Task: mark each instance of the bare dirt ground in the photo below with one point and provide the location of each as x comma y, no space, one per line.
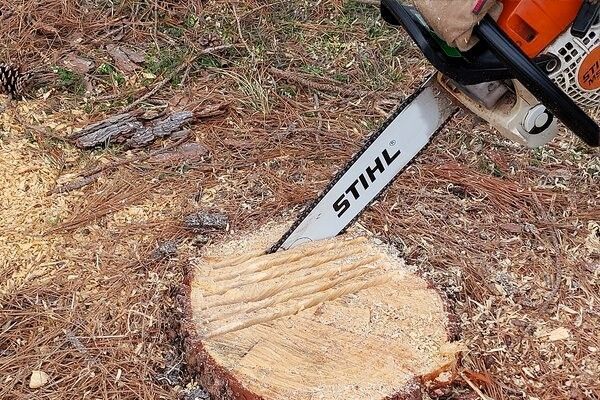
90,277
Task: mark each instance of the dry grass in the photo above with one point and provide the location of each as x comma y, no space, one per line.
510,234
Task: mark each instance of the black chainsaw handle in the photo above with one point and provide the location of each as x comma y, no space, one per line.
537,82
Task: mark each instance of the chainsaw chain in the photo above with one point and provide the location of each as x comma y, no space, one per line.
355,157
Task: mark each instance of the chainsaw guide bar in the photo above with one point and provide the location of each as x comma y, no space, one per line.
384,155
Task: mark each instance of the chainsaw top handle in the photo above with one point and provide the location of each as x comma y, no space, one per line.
496,58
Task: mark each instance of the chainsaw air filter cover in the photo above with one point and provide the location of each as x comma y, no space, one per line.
577,71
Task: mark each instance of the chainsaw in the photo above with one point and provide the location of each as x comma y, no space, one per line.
537,63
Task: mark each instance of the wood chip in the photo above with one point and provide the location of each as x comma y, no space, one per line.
561,333
38,379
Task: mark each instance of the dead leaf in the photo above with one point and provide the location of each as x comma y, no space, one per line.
512,228
179,100
45,29
134,55
78,64
122,60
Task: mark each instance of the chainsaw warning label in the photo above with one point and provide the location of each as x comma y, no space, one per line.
589,71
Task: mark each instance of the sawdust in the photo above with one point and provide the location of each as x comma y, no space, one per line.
57,289
26,211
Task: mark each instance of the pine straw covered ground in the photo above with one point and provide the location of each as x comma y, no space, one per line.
89,279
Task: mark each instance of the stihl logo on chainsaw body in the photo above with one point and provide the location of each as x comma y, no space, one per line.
589,71
364,180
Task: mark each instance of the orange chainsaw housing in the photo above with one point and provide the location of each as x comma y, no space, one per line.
534,24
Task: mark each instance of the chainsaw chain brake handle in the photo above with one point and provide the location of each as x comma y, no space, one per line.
496,58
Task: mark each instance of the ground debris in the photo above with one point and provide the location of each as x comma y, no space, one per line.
77,63
200,240
188,152
125,59
194,393
263,167
165,250
172,373
38,379
169,125
202,220
130,129
100,132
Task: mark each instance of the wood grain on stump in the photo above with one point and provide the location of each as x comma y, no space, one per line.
335,319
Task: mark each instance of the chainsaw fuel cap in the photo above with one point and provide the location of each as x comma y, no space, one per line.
537,120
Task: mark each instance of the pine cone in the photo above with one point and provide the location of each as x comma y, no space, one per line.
13,82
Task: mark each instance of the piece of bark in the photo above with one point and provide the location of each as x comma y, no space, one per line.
202,220
121,58
77,184
78,64
165,249
105,123
130,129
113,129
337,319
160,128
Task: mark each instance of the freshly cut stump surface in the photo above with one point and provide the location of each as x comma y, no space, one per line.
335,319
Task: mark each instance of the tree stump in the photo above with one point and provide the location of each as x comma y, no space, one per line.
336,319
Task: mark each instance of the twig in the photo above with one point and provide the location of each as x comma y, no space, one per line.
210,50
324,87
156,88
474,387
91,176
186,73
369,2
76,184
177,70
239,28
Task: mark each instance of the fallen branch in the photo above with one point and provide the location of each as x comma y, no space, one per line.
134,131
323,87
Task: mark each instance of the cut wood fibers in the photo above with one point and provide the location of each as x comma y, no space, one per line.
335,319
